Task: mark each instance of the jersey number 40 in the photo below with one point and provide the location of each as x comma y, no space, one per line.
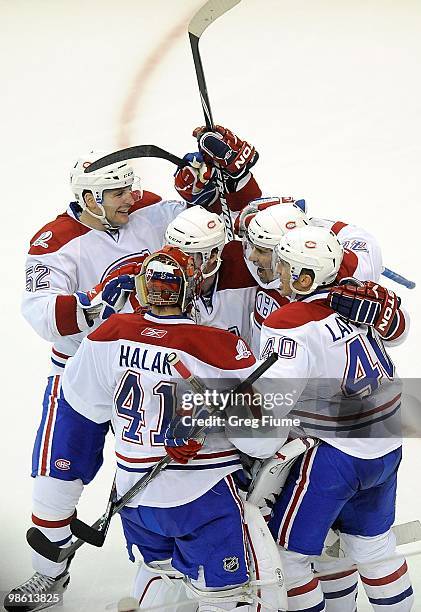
367,363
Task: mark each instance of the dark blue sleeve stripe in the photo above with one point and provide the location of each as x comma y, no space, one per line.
57,363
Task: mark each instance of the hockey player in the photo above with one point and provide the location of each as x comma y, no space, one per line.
228,289
264,221
346,394
79,270
189,521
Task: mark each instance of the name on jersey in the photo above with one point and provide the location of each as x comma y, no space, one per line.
144,359
340,329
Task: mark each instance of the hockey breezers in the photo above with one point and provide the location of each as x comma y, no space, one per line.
95,534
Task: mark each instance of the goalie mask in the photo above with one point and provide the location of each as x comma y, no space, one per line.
201,234
115,176
168,278
310,248
263,233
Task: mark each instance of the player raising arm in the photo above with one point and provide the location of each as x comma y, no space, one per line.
348,395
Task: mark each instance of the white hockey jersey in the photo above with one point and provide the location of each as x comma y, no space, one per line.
362,260
344,384
232,298
356,240
67,256
121,372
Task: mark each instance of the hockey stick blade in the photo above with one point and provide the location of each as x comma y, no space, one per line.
135,152
95,534
87,533
208,13
43,546
398,278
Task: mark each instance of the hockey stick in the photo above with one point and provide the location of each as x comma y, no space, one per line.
96,537
133,153
198,24
42,545
401,280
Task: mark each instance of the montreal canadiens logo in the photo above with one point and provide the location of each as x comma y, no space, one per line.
135,258
62,464
310,244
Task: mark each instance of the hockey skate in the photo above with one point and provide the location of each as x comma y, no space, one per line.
37,593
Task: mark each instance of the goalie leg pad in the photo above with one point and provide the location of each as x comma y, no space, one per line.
387,582
266,564
158,584
273,473
265,591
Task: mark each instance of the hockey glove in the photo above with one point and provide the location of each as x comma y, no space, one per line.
224,148
195,183
367,303
110,296
178,445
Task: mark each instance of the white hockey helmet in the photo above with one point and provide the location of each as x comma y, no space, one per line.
269,225
114,176
265,230
168,278
198,231
313,248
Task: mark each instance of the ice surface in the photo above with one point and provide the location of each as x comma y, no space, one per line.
329,93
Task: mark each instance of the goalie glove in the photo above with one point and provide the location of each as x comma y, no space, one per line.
230,153
195,183
367,303
110,296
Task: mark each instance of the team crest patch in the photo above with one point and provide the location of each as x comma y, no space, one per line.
42,240
231,564
62,464
242,350
154,333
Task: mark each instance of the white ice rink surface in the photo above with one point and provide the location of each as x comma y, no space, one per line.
330,94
